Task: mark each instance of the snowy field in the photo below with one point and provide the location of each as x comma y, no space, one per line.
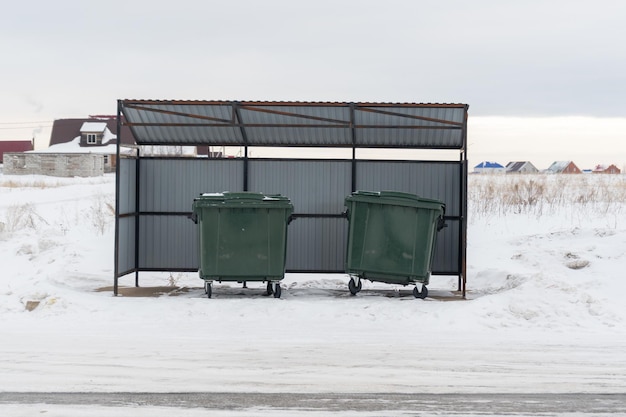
545,310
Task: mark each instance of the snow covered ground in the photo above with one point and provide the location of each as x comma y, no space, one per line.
545,311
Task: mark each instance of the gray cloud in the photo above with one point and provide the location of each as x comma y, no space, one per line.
530,58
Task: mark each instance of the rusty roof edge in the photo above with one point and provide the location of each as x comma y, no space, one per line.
289,103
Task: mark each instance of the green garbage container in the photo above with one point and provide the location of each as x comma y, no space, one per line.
391,238
242,237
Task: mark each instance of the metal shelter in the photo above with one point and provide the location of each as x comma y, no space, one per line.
154,195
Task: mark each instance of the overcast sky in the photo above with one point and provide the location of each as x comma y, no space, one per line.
545,79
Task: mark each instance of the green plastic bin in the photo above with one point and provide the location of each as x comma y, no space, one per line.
242,237
391,238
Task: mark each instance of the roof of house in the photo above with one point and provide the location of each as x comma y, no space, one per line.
65,130
93,127
515,166
15,146
73,146
602,167
488,164
558,166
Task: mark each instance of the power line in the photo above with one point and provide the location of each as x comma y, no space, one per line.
24,127
25,123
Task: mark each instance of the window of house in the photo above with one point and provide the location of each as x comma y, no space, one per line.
91,138
106,159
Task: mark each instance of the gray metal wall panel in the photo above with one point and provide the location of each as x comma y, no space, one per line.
170,185
436,180
128,185
314,187
317,244
126,247
168,242
446,256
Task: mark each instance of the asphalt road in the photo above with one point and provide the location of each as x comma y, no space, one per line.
412,404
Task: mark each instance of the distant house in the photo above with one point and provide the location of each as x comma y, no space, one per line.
14,146
78,147
521,167
66,130
487,167
563,167
95,135
603,169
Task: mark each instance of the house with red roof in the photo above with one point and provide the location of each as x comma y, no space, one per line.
606,169
78,147
14,146
563,167
93,135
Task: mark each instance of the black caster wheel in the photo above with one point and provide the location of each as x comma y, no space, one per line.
277,291
354,289
270,290
420,294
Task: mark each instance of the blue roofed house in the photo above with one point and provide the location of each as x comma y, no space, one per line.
487,167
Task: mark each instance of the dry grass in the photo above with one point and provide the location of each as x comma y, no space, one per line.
22,216
101,213
12,183
490,195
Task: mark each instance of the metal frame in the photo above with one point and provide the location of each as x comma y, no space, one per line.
303,123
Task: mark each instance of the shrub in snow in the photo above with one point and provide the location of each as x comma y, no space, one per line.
22,216
101,213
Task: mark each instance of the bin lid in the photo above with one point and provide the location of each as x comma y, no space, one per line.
395,198
239,198
233,195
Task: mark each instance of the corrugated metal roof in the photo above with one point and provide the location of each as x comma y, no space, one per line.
315,124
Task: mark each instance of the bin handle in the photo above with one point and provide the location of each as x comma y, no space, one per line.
441,223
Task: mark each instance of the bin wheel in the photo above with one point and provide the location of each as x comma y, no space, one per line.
208,289
270,290
354,289
277,291
420,294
